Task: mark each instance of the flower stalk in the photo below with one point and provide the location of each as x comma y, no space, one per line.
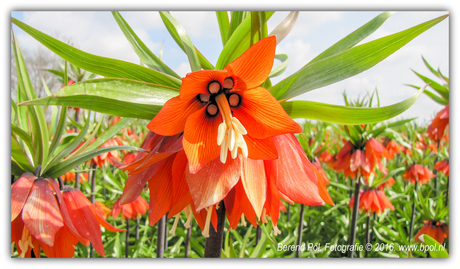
213,247
412,217
161,237
354,217
299,236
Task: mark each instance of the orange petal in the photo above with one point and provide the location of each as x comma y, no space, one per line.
160,186
272,202
232,209
200,139
180,192
355,160
172,117
213,182
262,115
244,203
84,219
197,82
41,213
322,180
254,183
255,64
294,178
19,193
261,149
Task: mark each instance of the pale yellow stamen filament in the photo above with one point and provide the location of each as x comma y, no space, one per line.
276,231
243,221
25,242
176,221
230,132
189,214
264,217
205,232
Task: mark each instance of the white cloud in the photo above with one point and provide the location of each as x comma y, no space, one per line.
183,69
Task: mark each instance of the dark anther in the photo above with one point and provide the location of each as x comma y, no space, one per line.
214,87
204,98
212,110
234,100
229,83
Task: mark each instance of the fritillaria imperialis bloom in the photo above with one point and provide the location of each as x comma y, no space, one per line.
70,177
133,210
362,161
434,229
44,217
443,167
102,209
419,173
372,200
439,127
393,148
225,138
86,218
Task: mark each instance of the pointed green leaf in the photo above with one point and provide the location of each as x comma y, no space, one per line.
435,86
23,135
345,114
16,170
118,97
224,24
59,130
283,29
178,34
71,163
108,134
433,96
436,250
147,57
355,37
19,156
173,25
347,63
100,65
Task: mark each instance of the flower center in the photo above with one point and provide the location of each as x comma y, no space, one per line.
231,131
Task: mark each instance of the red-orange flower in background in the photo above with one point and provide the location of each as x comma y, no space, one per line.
102,209
361,161
372,200
393,148
439,127
434,229
133,210
443,167
107,157
419,173
225,129
70,177
86,218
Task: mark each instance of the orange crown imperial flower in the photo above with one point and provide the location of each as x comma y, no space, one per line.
372,200
224,138
434,229
418,173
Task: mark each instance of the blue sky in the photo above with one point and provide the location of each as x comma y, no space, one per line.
98,33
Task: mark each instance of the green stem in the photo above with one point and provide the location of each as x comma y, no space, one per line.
354,218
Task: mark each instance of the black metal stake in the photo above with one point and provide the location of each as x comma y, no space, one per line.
368,234
354,218
258,235
299,231
137,229
412,217
161,237
187,241
127,239
213,246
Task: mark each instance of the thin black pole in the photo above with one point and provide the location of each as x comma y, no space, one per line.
412,217
299,231
166,231
161,237
368,234
137,229
92,199
187,241
354,218
213,246
258,235
127,239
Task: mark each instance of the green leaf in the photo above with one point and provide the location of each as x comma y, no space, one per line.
23,135
283,29
238,42
108,134
36,114
355,37
100,65
224,24
346,63
187,44
16,170
347,115
118,97
256,27
377,131
280,68
71,163
436,250
19,156
59,130
147,57
236,19
68,148
435,86
178,36
433,96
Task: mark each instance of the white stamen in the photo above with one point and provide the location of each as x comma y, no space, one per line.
231,139
205,232
238,126
221,132
176,220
